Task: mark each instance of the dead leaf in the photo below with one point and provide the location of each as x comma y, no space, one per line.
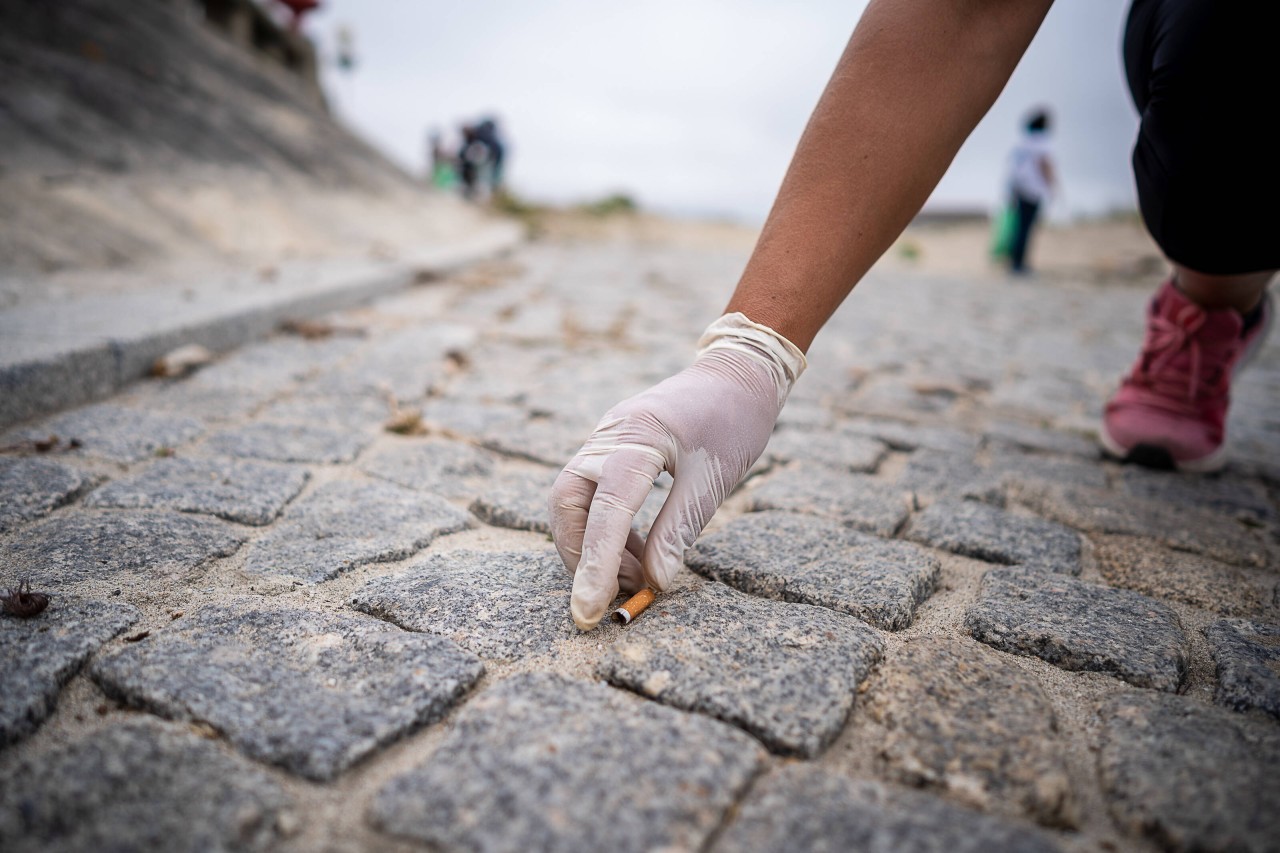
406,422
315,330
181,361
456,361
310,329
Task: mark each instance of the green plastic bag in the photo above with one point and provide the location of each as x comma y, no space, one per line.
1002,227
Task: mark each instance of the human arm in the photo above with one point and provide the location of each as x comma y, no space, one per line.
913,82
915,79
1049,175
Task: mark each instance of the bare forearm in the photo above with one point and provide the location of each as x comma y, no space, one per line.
915,79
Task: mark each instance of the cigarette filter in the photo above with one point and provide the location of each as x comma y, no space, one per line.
633,606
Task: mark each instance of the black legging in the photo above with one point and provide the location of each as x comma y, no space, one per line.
1206,79
1025,212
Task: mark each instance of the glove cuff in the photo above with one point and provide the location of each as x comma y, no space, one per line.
760,343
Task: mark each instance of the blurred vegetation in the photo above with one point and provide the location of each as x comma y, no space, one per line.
531,215
505,201
535,216
610,205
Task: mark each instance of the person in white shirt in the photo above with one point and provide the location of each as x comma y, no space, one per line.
1031,184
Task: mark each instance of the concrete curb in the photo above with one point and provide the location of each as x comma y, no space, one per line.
54,356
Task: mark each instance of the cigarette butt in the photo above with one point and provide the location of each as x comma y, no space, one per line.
633,606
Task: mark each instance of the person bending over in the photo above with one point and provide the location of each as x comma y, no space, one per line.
914,80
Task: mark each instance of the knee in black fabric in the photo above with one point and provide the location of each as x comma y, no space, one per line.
1204,78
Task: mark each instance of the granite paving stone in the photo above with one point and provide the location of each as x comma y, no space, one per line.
518,502
500,605
140,785
1181,527
1141,565
1224,493
961,719
855,500
802,807
545,440
786,673
901,397
1188,775
811,560
249,492
538,435
974,529
342,525
151,545
1046,395
116,433
1248,659
1010,434
802,416
472,418
834,448
445,467
559,761
310,692
349,411
901,436
34,487
407,363
1013,469
283,442
1080,626
931,475
38,655
216,404
274,365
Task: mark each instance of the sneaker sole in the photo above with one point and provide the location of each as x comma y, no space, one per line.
1159,458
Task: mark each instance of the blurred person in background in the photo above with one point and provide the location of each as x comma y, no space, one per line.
1032,182
915,79
481,159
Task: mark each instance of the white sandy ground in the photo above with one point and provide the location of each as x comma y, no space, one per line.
177,231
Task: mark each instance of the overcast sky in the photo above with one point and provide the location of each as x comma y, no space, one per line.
695,106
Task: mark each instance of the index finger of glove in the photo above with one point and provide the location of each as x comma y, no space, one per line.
626,479
570,500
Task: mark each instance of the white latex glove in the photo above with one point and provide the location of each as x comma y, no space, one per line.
706,425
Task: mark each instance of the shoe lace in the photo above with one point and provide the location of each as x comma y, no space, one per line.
1176,366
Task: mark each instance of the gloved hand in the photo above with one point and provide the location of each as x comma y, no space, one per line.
706,425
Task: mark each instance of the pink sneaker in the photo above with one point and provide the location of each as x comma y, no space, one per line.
1171,410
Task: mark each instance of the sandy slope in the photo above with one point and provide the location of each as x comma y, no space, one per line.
137,143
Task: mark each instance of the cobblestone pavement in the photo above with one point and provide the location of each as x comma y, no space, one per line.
932,619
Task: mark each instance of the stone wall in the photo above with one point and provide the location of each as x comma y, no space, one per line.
250,26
